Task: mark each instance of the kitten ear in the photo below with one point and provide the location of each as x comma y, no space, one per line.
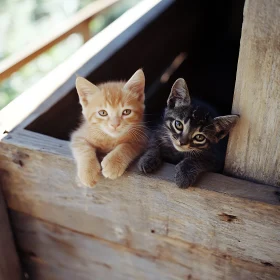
179,94
85,90
224,124
136,84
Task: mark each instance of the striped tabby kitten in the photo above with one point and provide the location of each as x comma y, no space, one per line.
189,137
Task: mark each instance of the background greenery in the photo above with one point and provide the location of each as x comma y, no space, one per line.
23,22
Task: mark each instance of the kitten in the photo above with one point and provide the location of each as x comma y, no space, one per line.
188,137
112,125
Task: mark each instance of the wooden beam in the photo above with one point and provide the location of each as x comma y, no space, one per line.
9,263
77,23
210,181
223,223
51,251
253,149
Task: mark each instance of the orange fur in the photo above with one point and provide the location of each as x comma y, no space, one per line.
121,137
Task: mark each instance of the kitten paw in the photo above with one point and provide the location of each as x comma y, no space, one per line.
111,168
183,176
181,181
148,163
89,176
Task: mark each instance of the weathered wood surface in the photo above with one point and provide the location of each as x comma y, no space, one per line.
77,23
253,149
50,251
9,263
236,238
210,181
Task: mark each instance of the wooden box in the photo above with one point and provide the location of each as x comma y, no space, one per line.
144,227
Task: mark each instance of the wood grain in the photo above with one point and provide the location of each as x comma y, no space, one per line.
254,149
210,181
39,180
50,251
9,263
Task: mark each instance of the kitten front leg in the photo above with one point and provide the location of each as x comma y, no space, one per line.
186,173
150,161
88,165
116,162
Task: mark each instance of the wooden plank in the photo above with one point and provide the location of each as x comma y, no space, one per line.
210,181
254,149
50,251
74,24
89,57
9,263
39,180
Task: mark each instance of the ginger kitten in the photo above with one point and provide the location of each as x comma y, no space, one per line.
112,125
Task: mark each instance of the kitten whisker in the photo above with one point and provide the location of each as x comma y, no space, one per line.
138,133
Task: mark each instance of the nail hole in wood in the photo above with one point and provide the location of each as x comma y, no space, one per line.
267,263
227,218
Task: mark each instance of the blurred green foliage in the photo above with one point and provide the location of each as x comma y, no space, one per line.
23,22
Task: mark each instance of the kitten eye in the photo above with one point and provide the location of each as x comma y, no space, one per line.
179,125
103,113
199,137
126,112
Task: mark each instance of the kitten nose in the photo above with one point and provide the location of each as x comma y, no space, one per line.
114,122
114,125
182,142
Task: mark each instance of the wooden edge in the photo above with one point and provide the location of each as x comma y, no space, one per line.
209,181
9,263
18,60
40,97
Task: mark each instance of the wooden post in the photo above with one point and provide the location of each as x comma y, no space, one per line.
9,264
254,145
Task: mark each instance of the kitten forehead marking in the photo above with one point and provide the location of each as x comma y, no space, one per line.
186,130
